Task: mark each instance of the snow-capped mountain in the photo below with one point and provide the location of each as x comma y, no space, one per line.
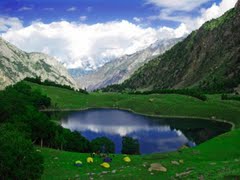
120,69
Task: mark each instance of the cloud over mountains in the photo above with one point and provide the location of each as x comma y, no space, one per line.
78,44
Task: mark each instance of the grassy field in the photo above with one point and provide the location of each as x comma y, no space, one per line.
218,158
162,105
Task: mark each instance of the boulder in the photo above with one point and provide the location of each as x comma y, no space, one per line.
157,167
175,162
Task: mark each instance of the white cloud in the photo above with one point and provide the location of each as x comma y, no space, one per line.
136,19
191,23
215,11
7,23
25,8
72,9
177,5
83,18
90,46
82,45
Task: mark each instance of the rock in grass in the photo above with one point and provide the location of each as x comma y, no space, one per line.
190,168
183,174
151,100
114,171
145,164
157,167
175,162
212,163
182,148
181,161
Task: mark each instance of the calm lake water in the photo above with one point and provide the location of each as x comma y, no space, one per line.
154,134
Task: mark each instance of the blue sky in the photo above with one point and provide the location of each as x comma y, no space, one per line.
96,11
89,33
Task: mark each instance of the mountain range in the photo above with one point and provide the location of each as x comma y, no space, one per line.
118,70
15,65
209,59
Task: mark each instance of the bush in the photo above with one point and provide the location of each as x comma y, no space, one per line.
230,97
130,146
18,159
75,142
103,145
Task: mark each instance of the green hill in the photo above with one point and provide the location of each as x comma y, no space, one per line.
208,58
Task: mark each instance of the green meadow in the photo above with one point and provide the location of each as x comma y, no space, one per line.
218,158
165,105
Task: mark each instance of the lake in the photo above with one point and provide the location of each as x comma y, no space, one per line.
154,134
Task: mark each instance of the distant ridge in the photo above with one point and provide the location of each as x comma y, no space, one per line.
15,65
118,70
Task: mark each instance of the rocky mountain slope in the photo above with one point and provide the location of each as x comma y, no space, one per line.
119,70
208,58
16,64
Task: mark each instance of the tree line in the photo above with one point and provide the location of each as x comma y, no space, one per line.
196,93
46,82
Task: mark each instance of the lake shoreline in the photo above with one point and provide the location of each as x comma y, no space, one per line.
150,115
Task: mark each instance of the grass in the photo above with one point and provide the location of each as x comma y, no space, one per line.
218,158
211,160
162,105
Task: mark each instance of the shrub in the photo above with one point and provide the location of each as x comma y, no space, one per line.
230,97
130,146
18,159
103,145
75,142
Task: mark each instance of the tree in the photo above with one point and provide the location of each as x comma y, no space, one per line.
18,158
130,146
103,145
75,142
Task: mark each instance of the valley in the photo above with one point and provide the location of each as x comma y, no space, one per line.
120,97
201,161
121,69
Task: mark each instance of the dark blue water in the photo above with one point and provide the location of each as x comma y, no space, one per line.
154,134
